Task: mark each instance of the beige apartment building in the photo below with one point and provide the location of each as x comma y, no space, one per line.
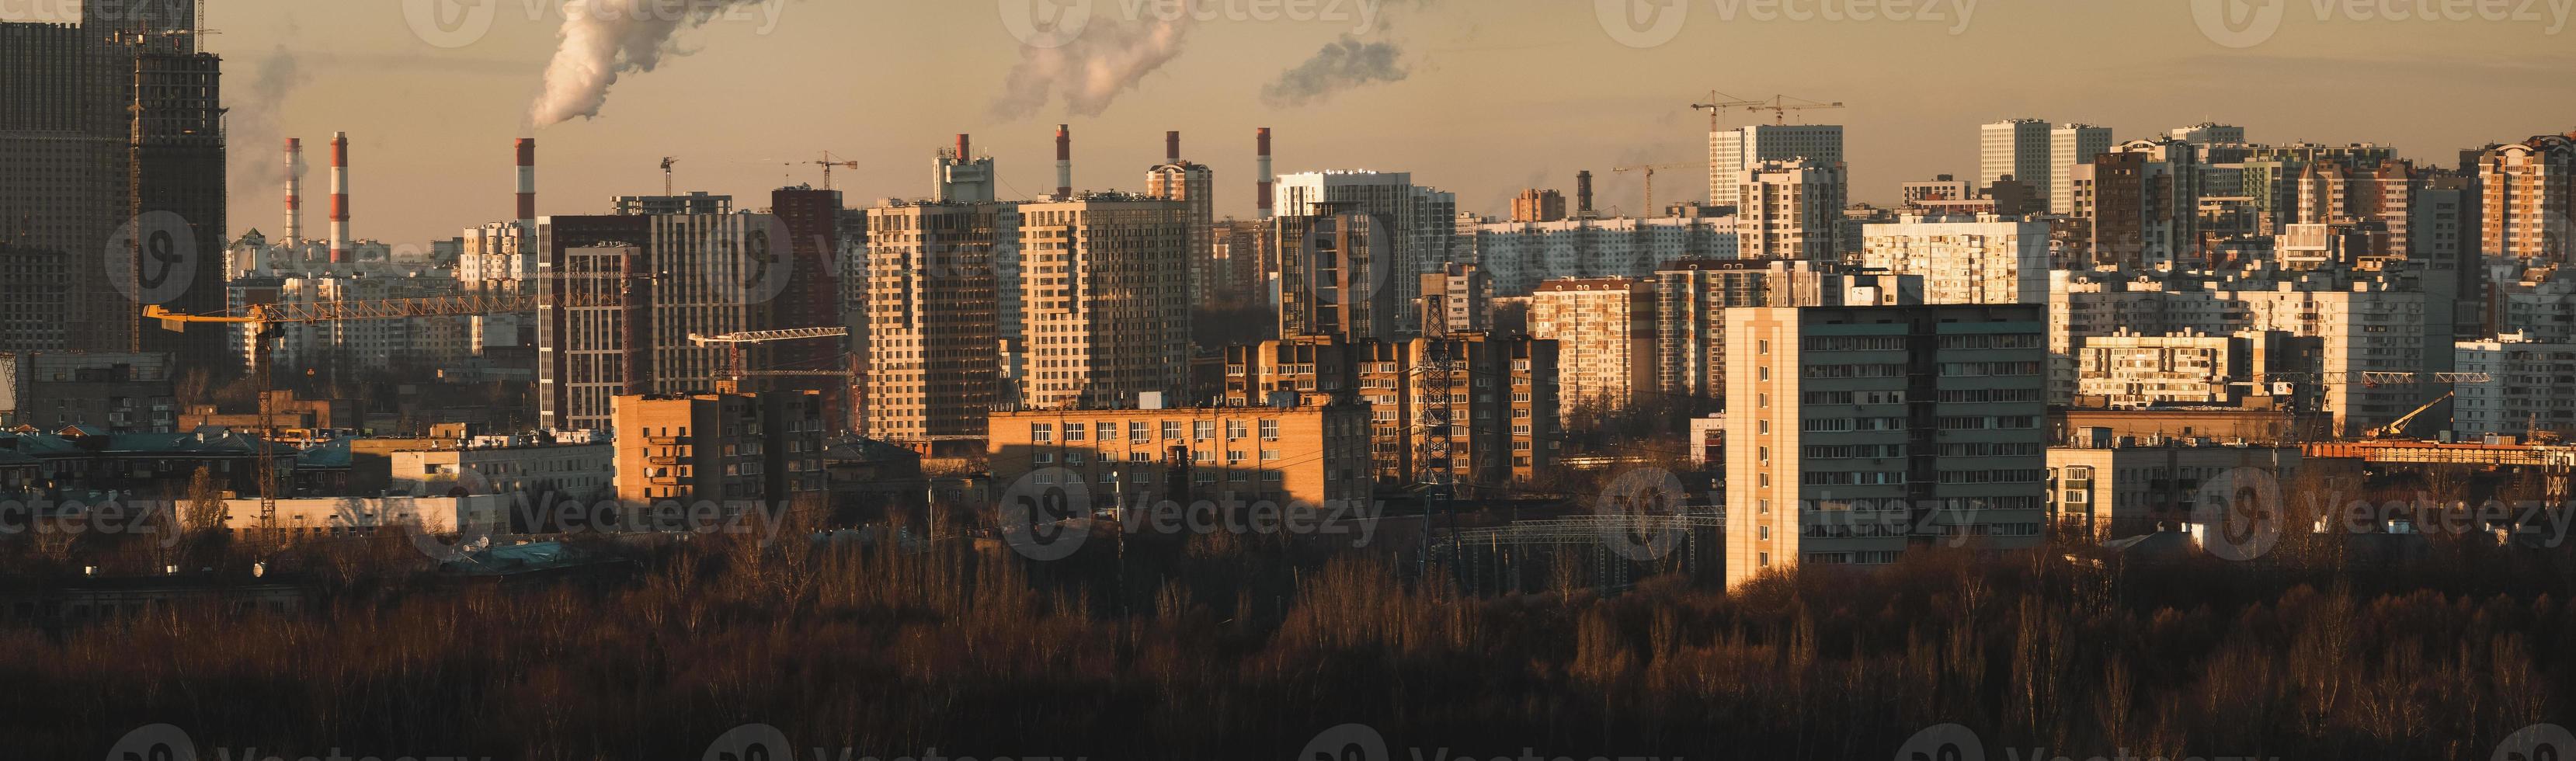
1604,329
729,449
2530,203
1104,280
1485,404
2107,488
1791,210
1312,455
933,318
1854,434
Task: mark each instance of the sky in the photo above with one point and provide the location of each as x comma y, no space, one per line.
1479,97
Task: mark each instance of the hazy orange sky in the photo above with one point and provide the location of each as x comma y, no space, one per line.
1497,95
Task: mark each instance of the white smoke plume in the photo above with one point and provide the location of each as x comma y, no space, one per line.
255,110
1092,70
606,39
1342,65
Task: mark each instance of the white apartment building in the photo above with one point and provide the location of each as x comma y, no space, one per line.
506,467
1980,260
2534,390
1605,334
2107,489
1732,152
1853,432
2070,145
1791,210
2019,148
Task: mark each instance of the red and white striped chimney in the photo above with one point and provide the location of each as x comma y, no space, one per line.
1064,162
340,253
1172,147
1264,201
528,185
294,190
964,144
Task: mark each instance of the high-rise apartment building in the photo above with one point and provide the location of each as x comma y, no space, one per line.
1732,153
2534,392
740,452
2530,201
1194,185
1245,261
1791,210
933,319
2018,148
1424,221
1536,205
1519,256
2070,146
1693,299
2142,200
1105,282
1976,260
1859,433
1457,299
619,296
1337,274
2208,133
1486,404
1604,330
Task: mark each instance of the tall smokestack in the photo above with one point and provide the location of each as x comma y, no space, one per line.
1583,194
527,185
340,198
1064,161
964,145
1172,147
294,189
1264,200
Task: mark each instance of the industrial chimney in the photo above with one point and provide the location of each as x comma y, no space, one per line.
294,190
340,198
1064,162
528,186
1583,194
964,144
1265,179
1172,147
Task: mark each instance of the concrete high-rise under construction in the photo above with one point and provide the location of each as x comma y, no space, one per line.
1194,185
119,124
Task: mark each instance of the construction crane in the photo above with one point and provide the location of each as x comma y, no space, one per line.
265,320
2398,427
1650,170
828,164
1778,105
667,187
736,369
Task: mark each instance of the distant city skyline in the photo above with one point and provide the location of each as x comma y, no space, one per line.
1482,99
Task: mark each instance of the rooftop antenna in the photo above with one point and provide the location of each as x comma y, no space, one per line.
666,174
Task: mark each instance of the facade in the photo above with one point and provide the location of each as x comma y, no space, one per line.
103,392
619,296
2019,149
2126,370
2106,488
1733,153
933,326
1457,299
1980,260
505,466
733,450
1309,456
1105,282
1424,219
1485,403
1791,210
2070,146
1519,256
1693,298
1860,432
2530,200
2534,393
1337,273
1195,186
2142,199
1535,205
1604,330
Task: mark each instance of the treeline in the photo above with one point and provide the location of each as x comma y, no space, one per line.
1223,647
